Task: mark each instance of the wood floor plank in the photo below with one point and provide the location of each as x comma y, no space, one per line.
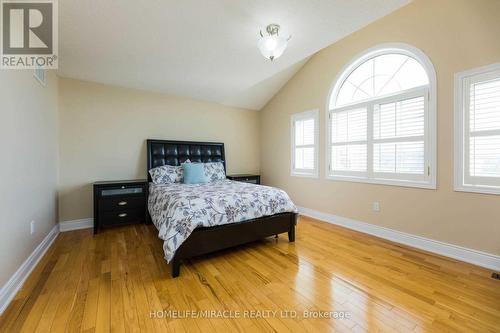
118,281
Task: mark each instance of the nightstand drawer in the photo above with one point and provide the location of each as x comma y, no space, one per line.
121,217
252,179
113,192
120,203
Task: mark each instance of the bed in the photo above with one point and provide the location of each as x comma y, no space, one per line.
197,219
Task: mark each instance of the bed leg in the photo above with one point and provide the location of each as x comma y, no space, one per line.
291,234
176,267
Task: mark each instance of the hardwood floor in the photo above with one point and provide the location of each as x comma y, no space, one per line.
119,281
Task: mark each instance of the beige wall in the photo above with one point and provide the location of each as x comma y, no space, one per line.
456,35
104,128
28,168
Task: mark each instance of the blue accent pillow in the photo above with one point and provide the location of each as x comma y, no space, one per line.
194,173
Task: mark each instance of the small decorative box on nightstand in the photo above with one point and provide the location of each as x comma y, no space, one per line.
247,178
119,203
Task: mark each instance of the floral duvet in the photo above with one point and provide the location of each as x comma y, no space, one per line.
177,209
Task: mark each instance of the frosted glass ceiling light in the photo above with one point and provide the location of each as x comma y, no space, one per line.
273,45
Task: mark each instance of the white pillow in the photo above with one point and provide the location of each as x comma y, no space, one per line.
214,171
166,174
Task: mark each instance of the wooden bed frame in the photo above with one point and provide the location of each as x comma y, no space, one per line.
206,240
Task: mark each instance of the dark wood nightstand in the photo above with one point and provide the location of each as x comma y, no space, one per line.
119,203
247,178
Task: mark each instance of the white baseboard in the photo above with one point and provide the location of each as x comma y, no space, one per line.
76,224
15,283
475,257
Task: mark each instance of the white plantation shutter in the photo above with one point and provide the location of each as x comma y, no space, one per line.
304,144
381,126
479,135
349,140
484,129
304,141
395,150
398,137
304,132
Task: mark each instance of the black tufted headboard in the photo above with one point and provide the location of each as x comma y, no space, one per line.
167,152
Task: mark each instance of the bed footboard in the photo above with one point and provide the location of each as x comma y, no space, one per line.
206,240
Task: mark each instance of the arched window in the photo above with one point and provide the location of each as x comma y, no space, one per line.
382,119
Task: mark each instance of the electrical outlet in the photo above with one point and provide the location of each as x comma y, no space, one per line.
32,227
376,206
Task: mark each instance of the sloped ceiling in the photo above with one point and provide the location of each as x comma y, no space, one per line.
202,49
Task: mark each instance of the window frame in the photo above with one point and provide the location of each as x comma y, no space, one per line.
430,125
463,81
309,114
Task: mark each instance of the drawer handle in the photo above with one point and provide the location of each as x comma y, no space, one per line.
122,203
122,214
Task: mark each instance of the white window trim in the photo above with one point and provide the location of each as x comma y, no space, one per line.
460,85
299,116
431,125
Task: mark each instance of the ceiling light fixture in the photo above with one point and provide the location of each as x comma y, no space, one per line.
273,45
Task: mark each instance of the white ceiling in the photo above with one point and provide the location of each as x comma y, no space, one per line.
203,49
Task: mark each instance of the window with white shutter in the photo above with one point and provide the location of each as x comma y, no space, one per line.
349,140
382,119
304,130
477,132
